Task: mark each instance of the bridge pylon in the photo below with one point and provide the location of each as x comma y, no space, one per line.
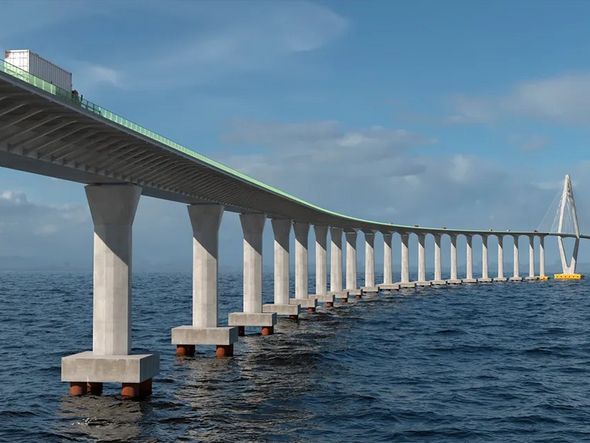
567,206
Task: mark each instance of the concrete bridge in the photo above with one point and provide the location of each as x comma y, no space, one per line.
47,130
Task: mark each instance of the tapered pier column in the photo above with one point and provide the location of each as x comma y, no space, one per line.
531,275
336,265
469,260
301,268
500,276
421,259
113,210
281,306
321,265
252,315
516,269
351,263
542,257
405,258
437,262
205,221
485,277
454,280
370,286
387,260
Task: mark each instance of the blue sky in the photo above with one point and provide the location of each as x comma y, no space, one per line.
457,113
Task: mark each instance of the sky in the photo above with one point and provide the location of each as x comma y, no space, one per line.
459,113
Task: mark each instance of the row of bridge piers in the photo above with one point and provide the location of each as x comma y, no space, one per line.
113,207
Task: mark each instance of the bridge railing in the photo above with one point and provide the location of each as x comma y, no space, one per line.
89,106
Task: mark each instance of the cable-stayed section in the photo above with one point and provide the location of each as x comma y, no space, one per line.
568,224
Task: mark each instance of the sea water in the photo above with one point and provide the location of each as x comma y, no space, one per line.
506,362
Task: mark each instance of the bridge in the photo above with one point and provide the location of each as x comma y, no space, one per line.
47,130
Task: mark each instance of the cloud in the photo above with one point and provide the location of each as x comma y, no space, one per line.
89,78
563,99
39,235
17,210
381,174
530,143
249,36
326,145
262,30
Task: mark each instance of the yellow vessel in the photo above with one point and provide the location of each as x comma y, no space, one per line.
543,277
568,276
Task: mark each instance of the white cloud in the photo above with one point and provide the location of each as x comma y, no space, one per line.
380,174
89,77
17,211
248,37
529,143
327,146
560,99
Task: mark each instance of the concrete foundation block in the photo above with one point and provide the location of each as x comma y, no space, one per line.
469,280
325,298
534,278
423,283
89,367
500,279
454,281
340,295
262,319
438,282
281,309
370,289
388,287
408,285
305,303
484,280
355,292
190,335
516,279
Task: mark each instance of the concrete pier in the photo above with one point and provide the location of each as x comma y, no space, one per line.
438,280
469,260
500,274
485,277
370,286
516,268
282,306
542,256
405,258
437,258
351,261
531,275
321,265
387,259
336,265
252,315
111,361
421,259
205,330
302,297
453,280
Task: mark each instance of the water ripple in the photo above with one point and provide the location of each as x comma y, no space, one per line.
487,363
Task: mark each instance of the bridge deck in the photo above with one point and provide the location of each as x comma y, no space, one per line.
46,131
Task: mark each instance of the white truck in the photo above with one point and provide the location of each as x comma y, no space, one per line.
32,63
